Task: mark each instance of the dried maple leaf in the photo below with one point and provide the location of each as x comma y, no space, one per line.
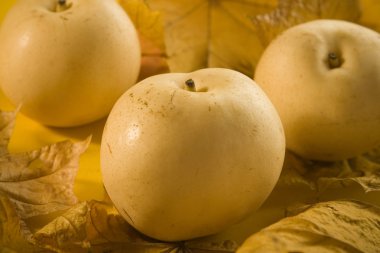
210,33
7,121
88,225
149,26
293,12
335,226
33,184
41,181
233,34
14,234
97,226
364,170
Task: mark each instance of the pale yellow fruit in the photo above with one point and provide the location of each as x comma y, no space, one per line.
181,162
67,64
324,79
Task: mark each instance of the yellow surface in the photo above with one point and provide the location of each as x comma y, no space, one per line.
29,135
4,6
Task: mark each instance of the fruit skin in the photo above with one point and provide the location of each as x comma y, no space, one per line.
69,67
181,164
327,113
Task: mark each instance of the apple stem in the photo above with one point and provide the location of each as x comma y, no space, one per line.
334,61
190,85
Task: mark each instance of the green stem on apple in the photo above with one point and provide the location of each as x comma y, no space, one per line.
190,85
334,61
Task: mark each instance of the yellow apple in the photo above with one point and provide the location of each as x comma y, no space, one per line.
67,62
324,79
185,155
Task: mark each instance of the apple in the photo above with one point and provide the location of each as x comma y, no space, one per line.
67,62
185,155
323,77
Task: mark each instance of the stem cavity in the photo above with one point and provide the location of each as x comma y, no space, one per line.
190,85
62,5
334,61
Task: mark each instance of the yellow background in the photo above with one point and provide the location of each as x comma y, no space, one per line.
29,135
